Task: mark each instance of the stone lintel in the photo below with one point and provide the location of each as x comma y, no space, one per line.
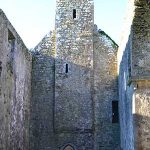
140,82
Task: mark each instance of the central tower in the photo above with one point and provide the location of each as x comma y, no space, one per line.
73,112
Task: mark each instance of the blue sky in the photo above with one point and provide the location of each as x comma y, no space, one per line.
34,18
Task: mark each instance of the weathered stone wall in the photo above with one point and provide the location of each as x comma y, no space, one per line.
140,67
73,72
142,116
78,111
104,77
140,73
42,104
126,99
74,47
105,91
74,81
126,88
15,88
134,77
47,46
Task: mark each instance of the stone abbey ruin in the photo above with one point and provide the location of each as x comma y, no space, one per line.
77,90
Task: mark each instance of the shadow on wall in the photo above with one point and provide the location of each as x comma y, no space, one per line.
71,119
126,91
134,127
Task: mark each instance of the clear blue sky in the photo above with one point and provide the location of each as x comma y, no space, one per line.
34,18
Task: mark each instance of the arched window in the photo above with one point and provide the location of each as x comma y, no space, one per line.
68,147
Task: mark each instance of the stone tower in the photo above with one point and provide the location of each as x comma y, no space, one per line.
73,65
73,69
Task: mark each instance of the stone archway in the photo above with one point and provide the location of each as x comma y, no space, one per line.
68,147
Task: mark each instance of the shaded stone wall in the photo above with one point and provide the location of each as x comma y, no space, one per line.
42,104
74,81
71,69
126,99
134,78
126,88
105,134
15,88
105,91
79,112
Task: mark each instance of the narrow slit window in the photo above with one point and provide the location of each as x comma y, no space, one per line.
115,112
66,68
74,13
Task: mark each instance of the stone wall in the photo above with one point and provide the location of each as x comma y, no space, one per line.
47,46
126,101
140,67
73,73
142,116
73,85
104,134
126,88
140,72
15,88
42,104
74,48
105,90
134,77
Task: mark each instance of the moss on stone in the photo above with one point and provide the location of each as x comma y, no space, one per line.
114,44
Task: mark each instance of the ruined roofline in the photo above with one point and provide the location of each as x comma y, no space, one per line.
48,35
104,33
12,29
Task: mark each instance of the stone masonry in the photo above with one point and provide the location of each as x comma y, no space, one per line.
74,47
134,78
77,90
15,88
78,113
